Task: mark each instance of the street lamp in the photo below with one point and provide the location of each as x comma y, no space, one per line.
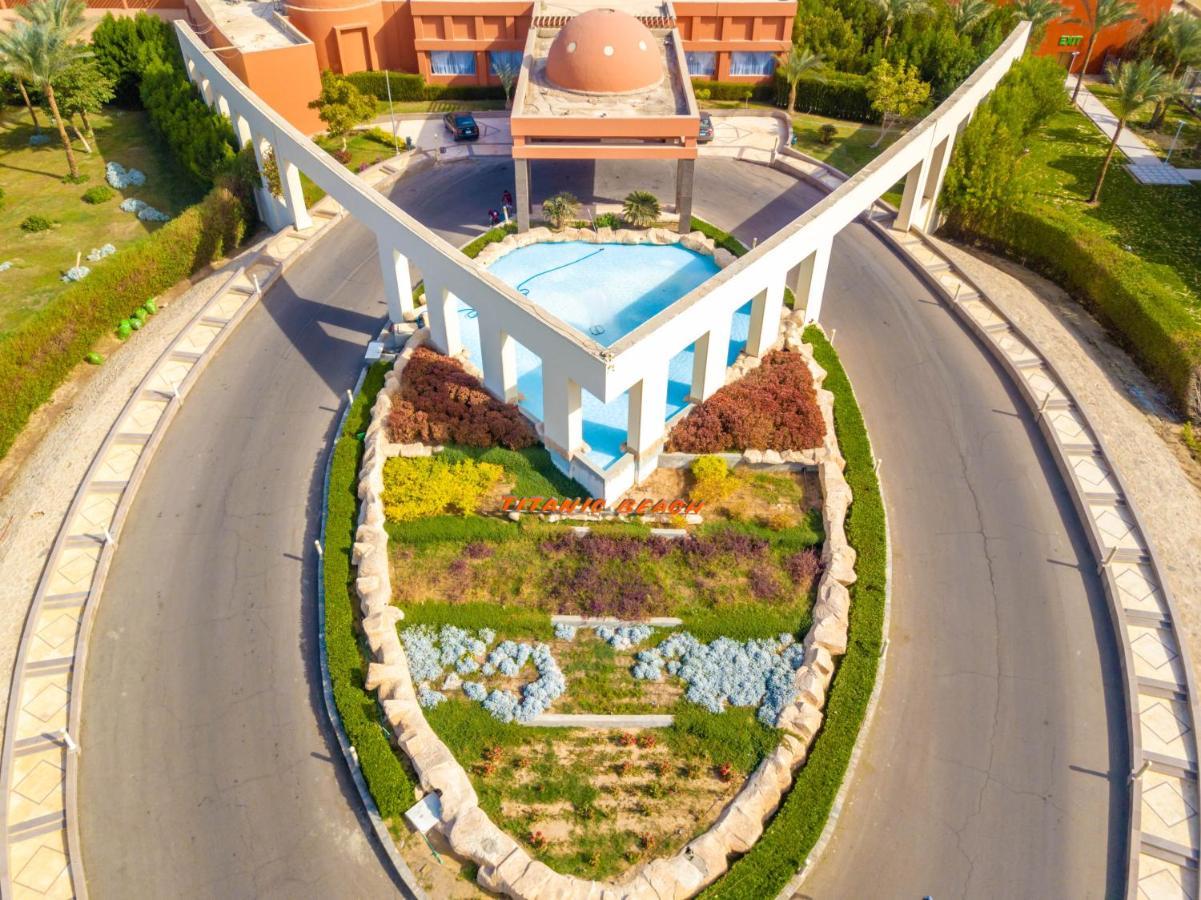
1172,149
391,114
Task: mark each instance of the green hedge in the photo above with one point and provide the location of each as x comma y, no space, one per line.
799,822
1146,315
840,95
736,90
407,86
36,356
386,776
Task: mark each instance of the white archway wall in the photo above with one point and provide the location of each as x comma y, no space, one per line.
797,256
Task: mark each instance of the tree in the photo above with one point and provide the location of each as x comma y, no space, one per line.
123,49
896,10
896,93
966,13
1040,14
508,74
792,66
560,208
1098,16
640,209
341,106
1180,42
83,89
1136,83
40,53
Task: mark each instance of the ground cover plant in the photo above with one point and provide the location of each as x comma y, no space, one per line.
440,403
773,407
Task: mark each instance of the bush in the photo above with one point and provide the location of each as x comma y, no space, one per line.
429,486
734,90
101,193
405,86
773,407
712,479
35,223
379,136
610,220
1145,314
798,823
440,403
826,133
385,774
36,356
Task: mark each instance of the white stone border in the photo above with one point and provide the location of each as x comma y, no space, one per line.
695,241
505,866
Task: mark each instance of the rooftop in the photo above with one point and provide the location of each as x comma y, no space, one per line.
250,25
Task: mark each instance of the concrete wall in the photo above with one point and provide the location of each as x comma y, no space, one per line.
1063,39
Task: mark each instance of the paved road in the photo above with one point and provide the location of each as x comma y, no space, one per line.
991,768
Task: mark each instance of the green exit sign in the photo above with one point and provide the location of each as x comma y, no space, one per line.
1069,40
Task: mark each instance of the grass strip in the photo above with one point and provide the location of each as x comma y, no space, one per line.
799,822
387,777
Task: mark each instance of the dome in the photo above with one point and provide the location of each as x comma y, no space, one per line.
603,51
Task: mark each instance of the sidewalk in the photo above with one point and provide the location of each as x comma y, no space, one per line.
1145,165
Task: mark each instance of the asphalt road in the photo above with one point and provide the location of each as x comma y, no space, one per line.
996,765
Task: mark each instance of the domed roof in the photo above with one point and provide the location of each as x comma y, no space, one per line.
604,51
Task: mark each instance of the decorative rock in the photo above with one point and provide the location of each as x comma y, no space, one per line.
473,835
378,674
723,257
452,682
753,456
772,457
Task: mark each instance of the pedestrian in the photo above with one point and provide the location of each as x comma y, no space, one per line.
493,217
506,199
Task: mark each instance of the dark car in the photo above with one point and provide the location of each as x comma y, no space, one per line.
706,133
461,126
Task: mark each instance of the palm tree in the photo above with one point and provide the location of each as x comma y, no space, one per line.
1136,83
1100,15
640,209
966,13
64,16
796,63
894,11
1040,14
560,208
40,53
5,53
1180,40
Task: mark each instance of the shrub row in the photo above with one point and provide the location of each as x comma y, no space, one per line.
1146,315
799,822
440,403
416,487
37,355
387,777
410,87
840,95
772,407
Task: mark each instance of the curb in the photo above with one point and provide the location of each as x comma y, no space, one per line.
382,835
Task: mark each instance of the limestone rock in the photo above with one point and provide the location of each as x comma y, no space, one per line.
772,457
473,835
723,257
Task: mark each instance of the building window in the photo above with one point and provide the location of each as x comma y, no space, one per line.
510,59
745,63
452,62
701,64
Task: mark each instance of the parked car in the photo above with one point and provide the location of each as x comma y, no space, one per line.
706,132
461,126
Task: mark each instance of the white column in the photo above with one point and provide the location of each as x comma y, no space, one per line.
911,199
766,310
684,175
443,320
498,351
398,284
562,412
648,410
809,281
223,106
934,179
206,91
289,182
242,130
709,360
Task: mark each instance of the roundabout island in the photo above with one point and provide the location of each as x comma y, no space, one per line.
581,584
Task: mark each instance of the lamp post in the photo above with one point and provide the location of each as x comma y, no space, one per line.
1175,137
391,114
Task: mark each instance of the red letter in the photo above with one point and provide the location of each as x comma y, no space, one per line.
644,506
550,506
506,502
625,507
676,507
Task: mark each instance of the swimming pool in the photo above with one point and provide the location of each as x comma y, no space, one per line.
605,291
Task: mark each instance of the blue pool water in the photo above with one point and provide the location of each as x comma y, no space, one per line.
605,291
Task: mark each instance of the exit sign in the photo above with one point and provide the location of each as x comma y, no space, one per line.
1069,40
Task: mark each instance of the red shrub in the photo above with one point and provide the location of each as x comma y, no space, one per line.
773,407
440,403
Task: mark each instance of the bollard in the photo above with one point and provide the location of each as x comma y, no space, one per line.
320,550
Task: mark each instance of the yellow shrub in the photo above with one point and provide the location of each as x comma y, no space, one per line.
429,486
712,481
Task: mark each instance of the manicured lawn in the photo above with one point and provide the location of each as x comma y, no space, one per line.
436,106
1160,224
32,182
1188,147
364,151
850,150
